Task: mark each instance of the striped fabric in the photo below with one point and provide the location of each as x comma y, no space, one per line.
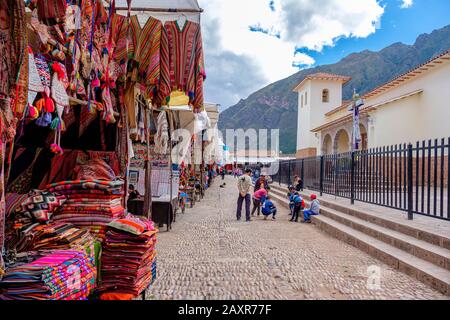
186,65
148,53
135,33
119,28
51,9
164,81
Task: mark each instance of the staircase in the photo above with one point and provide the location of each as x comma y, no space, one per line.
419,253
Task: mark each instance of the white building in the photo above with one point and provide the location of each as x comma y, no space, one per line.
413,107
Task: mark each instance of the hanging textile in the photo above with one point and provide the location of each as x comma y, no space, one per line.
162,135
13,85
51,9
148,55
186,64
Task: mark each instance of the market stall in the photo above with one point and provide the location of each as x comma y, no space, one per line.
84,87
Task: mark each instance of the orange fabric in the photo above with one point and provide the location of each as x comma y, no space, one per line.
116,297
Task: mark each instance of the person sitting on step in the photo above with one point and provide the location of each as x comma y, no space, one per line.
268,208
314,209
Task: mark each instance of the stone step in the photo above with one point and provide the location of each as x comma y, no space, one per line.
278,193
376,218
423,253
281,201
421,249
424,271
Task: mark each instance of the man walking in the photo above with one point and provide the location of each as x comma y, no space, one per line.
244,185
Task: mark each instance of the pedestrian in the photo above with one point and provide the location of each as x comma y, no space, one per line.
133,193
222,172
244,184
210,177
298,183
268,208
261,183
298,206
314,210
291,196
258,199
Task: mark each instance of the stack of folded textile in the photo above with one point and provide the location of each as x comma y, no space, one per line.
129,255
90,204
57,275
53,236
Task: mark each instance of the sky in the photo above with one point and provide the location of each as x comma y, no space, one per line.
251,43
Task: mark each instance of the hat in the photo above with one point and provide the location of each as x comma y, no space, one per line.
313,197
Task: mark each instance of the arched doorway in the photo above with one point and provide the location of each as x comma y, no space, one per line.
342,142
327,145
364,139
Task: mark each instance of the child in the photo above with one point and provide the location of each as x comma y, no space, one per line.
313,211
268,208
291,196
299,204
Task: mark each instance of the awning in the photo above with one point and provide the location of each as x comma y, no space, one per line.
190,5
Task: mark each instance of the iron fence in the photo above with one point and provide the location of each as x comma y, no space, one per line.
412,178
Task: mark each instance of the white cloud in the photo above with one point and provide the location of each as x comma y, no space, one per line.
310,24
406,4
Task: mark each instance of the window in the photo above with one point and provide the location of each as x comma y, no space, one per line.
301,102
306,98
325,96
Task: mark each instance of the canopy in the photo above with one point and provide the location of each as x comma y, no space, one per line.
180,5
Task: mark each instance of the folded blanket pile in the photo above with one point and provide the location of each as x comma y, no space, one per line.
90,204
129,256
59,275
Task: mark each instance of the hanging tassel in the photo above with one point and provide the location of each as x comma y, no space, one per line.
96,83
56,67
54,148
40,105
49,105
55,124
45,120
33,112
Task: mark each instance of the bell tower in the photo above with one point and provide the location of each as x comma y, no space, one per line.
318,94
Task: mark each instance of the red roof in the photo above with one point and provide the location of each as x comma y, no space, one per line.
324,76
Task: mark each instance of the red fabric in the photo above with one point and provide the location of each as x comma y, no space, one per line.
51,9
97,169
116,297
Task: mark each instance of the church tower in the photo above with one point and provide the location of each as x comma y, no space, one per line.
318,94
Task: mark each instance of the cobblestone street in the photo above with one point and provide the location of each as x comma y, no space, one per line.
209,255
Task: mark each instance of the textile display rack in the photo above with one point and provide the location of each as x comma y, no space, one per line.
80,84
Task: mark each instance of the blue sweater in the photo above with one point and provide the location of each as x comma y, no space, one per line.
267,207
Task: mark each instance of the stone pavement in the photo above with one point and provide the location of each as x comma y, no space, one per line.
209,255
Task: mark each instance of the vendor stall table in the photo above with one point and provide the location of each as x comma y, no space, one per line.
164,210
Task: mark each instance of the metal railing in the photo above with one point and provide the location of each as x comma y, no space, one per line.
411,178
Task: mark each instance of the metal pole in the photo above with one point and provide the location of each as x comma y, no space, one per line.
352,190
148,171
202,169
289,172
321,175
410,182
303,173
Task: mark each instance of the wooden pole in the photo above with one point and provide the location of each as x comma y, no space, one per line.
148,171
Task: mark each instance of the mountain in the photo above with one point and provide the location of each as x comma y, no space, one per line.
276,104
